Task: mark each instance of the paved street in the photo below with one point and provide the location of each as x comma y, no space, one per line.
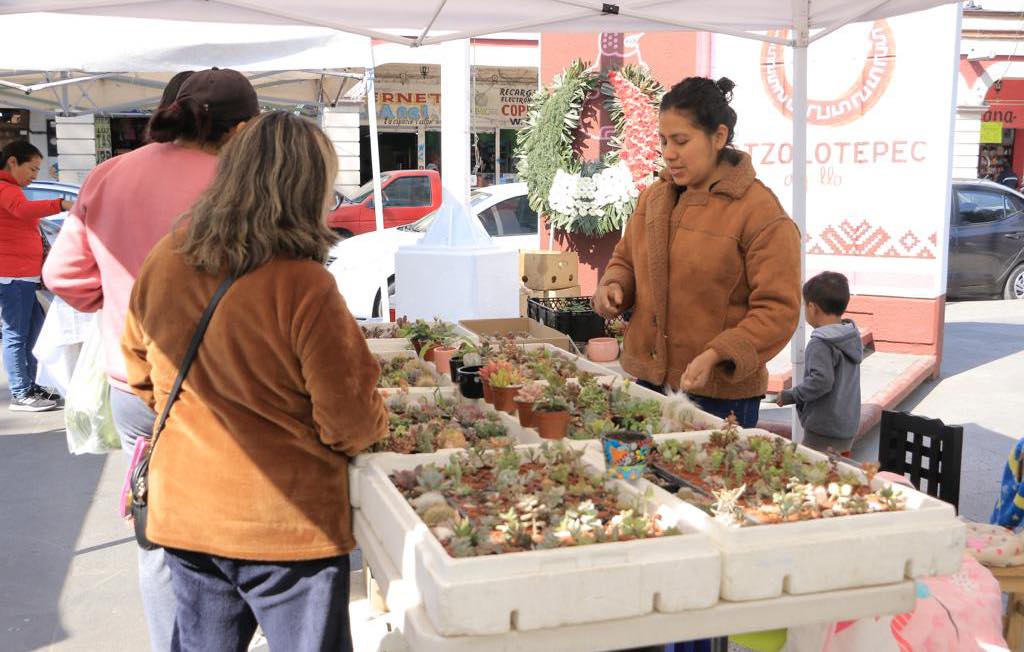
67,572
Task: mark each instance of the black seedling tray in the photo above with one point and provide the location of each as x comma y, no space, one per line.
573,316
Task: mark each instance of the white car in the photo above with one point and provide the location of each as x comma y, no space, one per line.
364,263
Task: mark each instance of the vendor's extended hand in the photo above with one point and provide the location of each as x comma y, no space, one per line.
698,372
608,300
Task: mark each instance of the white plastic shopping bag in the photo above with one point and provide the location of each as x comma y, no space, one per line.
87,414
59,344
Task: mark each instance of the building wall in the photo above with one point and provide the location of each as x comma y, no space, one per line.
76,147
341,123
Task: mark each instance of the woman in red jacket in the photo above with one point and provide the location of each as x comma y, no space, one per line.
21,263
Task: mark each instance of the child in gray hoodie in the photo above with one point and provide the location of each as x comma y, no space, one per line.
828,399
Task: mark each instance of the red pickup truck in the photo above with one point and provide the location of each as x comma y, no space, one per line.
408,195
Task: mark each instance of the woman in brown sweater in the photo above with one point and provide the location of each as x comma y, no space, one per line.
248,482
709,263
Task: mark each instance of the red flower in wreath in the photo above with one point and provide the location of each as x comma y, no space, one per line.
640,148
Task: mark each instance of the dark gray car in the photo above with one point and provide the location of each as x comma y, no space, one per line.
986,241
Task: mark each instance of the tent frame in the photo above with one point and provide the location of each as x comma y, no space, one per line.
800,40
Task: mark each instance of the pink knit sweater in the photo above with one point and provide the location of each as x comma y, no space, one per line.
126,206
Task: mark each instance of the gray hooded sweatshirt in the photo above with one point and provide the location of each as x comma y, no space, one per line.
828,399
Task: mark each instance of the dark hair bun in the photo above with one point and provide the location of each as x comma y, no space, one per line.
725,85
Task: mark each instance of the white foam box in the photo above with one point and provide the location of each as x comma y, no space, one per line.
540,588
442,380
582,363
767,561
530,436
357,464
386,344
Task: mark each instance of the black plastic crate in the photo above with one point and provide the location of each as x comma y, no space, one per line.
570,315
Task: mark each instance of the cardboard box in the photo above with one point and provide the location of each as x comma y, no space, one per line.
550,270
526,330
526,293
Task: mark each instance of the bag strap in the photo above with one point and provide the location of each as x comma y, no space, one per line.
142,469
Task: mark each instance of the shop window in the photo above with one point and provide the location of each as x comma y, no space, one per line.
406,192
981,206
510,217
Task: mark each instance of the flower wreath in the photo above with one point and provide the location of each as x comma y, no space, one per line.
592,198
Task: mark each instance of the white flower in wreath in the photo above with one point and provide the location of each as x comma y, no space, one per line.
563,194
614,186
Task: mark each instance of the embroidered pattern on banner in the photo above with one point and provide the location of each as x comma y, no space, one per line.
866,240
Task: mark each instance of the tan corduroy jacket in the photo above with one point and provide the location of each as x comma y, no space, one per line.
253,463
718,269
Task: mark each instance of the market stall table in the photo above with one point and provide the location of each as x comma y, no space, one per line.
724,618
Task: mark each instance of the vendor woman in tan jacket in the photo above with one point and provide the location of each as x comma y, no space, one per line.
710,263
248,484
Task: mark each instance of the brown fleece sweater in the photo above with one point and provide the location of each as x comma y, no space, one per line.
702,270
253,462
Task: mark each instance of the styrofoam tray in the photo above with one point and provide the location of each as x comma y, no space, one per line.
442,379
530,435
582,363
540,588
361,461
767,561
409,617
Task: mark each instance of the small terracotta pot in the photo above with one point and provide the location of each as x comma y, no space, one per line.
443,358
428,354
488,392
525,413
505,398
551,425
603,349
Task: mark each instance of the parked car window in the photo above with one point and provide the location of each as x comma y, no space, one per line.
512,216
365,190
981,206
1014,205
487,218
406,192
35,194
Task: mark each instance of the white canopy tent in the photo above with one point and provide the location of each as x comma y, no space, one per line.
426,23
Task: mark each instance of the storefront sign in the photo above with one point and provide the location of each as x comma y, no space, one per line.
495,105
877,173
991,133
1010,116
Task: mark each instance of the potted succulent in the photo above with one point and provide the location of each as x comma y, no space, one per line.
485,377
466,353
551,411
527,395
426,336
506,380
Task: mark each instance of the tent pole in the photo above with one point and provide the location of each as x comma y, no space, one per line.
378,199
800,42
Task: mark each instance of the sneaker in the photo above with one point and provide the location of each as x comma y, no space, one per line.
48,394
31,403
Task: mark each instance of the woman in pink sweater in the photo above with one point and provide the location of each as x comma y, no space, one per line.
21,259
126,206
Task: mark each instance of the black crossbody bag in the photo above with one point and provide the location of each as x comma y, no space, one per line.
140,474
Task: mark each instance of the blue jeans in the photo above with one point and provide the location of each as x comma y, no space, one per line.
22,318
134,419
302,606
747,410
